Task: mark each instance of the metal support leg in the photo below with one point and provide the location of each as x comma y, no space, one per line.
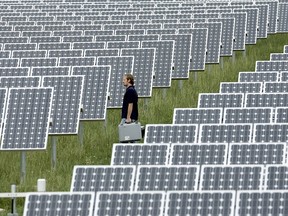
54,151
164,93
23,166
14,209
195,75
180,84
81,133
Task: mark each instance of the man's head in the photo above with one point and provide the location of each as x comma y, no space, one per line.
128,80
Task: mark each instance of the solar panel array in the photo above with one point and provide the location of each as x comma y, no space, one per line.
77,54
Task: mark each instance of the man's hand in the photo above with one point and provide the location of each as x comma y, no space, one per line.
128,120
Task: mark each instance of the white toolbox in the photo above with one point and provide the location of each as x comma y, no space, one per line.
130,132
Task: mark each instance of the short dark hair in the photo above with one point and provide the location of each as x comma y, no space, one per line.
130,78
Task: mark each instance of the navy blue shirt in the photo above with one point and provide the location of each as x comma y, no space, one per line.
130,96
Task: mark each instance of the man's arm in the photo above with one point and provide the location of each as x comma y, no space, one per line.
129,112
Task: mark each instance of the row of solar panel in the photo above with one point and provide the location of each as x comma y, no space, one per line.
199,154
267,202
262,76
178,177
216,133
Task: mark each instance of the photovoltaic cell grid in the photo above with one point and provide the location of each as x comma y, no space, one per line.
182,52
95,91
279,56
272,16
143,69
236,87
266,100
135,154
284,76
19,81
271,66
102,52
120,65
164,51
222,100
3,99
59,203
122,44
12,71
275,87
240,29
171,133
26,121
143,37
285,49
129,203
214,40
103,178
227,36
231,177
50,71
282,23
67,102
167,178
199,47
200,203
251,25
9,62
248,115
198,154
197,116
270,202
276,177
281,115
257,153
258,76
277,132
225,133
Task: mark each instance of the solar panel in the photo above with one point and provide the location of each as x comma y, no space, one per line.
285,49
214,100
277,132
248,115
266,100
214,40
66,105
169,133
103,178
199,47
59,203
281,115
251,24
73,39
19,81
130,203
65,53
9,62
161,31
197,115
258,77
77,61
274,87
123,17
29,54
278,56
198,154
177,25
122,44
148,26
200,203
27,109
87,27
95,92
257,153
143,37
239,30
116,26
106,38
5,40
167,178
54,46
231,177
143,69
276,177
120,65
50,71
5,54
268,202
225,133
282,25
41,39
236,87
94,32
164,51
3,99
89,45
271,66
12,71
101,52
182,52
135,154
38,62
130,31
20,46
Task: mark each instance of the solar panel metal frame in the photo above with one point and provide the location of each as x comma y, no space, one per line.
155,181
226,140
26,205
219,94
258,76
252,153
202,173
159,213
198,155
133,155
170,125
7,113
280,133
256,87
53,109
225,115
199,210
102,177
200,118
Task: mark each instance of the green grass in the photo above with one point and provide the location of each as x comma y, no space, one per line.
99,139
